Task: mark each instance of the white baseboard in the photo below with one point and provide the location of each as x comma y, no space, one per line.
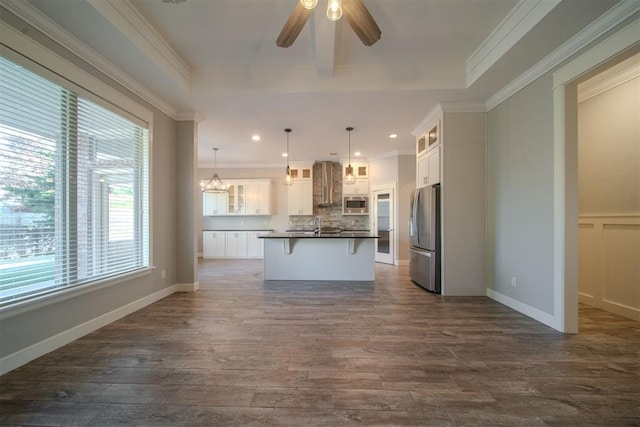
26,355
523,308
187,287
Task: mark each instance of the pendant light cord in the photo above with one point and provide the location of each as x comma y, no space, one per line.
349,129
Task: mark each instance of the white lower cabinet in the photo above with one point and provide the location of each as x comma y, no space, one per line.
213,244
233,244
255,245
236,244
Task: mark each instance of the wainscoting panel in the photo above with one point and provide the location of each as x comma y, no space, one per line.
609,260
588,272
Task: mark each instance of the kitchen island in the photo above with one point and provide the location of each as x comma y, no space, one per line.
346,256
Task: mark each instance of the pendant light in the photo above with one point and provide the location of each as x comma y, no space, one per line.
287,179
334,9
309,4
215,184
349,178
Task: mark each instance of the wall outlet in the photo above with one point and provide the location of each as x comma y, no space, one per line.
514,282
164,273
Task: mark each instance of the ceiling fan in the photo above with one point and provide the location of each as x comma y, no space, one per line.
355,12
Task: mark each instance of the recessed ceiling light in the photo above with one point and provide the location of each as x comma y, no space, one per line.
357,153
393,135
285,154
256,137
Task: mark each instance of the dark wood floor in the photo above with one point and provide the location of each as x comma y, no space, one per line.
242,352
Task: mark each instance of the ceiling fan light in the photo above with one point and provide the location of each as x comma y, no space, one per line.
334,9
309,4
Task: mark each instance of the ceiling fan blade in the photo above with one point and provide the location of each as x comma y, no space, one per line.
361,21
293,26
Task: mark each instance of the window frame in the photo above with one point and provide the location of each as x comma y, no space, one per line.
26,52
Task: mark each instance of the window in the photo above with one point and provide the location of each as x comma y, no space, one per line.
73,188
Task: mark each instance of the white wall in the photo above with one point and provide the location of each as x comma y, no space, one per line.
609,199
609,151
383,170
520,188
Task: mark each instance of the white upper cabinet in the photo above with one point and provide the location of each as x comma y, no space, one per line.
214,204
258,197
428,156
428,168
235,198
243,197
301,197
301,172
361,186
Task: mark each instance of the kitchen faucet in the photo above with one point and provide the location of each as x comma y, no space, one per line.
317,224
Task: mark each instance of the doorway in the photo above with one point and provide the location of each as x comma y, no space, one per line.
383,224
620,45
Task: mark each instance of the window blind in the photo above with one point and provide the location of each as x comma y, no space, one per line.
73,189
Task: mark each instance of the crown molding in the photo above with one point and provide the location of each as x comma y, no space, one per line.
448,107
55,32
394,153
607,81
128,20
186,116
589,34
234,166
427,121
463,107
521,19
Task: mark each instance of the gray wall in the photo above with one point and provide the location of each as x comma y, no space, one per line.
30,327
406,185
520,196
186,174
463,152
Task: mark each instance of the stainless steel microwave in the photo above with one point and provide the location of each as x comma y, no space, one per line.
355,205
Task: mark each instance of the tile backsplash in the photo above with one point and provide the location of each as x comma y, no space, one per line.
331,216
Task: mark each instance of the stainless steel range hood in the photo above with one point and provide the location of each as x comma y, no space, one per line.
326,185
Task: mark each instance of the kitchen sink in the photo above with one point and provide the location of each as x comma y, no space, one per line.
330,230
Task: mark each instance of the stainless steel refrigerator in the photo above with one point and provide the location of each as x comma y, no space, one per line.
424,230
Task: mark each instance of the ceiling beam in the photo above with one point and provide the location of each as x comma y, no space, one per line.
323,34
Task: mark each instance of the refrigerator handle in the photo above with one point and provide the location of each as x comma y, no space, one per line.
419,252
416,200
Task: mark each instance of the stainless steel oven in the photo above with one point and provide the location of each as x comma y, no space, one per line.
355,205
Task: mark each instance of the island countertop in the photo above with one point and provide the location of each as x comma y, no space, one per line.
312,235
